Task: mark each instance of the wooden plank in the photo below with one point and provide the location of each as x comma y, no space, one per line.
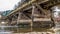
13,22
21,21
42,1
42,19
27,8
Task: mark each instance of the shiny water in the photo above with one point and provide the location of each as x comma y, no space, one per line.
3,31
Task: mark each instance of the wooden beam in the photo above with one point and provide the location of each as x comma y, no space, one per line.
13,22
42,1
19,17
27,8
42,19
26,15
41,8
25,21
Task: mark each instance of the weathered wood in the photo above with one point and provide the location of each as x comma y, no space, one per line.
42,19
19,17
39,2
31,14
41,8
26,21
24,5
13,22
50,3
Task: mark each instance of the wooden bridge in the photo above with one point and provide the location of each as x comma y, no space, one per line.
35,13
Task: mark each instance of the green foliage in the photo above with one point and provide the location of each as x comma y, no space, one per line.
5,13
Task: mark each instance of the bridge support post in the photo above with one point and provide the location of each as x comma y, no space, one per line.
18,18
33,9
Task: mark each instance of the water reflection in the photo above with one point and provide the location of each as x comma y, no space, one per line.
6,28
3,31
12,29
18,29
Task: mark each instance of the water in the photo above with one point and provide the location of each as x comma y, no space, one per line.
3,31
15,29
